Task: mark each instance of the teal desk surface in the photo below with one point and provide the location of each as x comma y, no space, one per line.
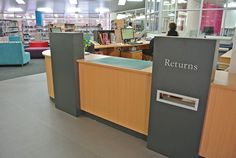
124,62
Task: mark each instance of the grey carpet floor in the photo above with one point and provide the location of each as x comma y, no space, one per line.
35,66
31,127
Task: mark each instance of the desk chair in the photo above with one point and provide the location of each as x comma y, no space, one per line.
148,53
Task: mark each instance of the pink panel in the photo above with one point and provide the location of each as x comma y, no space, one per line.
212,18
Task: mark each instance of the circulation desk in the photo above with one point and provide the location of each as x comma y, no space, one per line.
122,96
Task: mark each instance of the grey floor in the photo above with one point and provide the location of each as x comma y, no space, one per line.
35,66
31,127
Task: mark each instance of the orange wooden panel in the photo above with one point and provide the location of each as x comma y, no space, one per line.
48,67
219,134
120,96
133,55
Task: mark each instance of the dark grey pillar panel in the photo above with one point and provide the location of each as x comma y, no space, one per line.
182,71
66,48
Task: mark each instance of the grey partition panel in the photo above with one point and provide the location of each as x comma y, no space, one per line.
182,73
66,48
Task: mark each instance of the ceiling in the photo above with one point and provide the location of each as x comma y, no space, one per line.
59,6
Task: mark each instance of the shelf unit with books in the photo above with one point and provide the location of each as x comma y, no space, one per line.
104,37
9,28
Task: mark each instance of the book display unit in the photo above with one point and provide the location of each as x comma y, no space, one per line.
9,27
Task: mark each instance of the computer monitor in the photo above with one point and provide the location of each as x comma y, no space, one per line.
208,30
127,33
55,29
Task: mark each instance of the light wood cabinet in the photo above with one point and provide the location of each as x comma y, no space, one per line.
219,133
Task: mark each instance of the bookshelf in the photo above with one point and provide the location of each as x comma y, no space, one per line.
86,28
9,28
69,27
104,36
31,32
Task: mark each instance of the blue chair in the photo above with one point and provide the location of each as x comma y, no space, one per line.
12,53
14,38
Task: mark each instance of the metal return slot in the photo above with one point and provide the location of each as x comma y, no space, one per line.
177,100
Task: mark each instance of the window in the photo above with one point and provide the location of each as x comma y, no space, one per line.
211,4
230,23
188,23
168,5
188,4
195,17
166,18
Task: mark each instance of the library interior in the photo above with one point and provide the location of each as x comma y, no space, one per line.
118,78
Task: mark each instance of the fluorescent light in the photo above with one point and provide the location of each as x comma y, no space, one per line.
46,10
20,1
140,17
121,16
73,1
134,0
171,14
121,2
102,10
73,10
182,1
166,3
15,10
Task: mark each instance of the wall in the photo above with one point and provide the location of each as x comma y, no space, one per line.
192,18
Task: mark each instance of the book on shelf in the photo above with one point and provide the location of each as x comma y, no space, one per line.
104,37
100,38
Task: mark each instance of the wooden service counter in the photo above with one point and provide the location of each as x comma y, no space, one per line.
48,67
117,94
219,132
122,96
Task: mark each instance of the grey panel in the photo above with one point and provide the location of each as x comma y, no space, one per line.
66,48
175,131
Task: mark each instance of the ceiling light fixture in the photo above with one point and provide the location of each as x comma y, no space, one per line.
134,0
15,10
20,1
121,16
73,10
166,3
182,1
46,10
73,1
140,17
121,2
102,10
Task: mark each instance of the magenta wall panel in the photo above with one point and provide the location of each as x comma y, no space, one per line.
211,18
